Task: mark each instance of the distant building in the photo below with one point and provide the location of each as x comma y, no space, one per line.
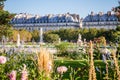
48,22
101,20
55,22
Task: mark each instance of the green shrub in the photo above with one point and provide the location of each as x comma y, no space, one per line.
62,47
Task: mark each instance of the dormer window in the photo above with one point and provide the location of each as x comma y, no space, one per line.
108,19
113,19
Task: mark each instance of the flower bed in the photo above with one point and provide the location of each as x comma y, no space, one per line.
24,65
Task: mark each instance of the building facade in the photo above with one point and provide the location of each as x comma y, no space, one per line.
101,20
55,22
49,22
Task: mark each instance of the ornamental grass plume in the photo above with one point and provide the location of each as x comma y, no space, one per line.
92,74
116,65
44,60
12,75
3,60
24,73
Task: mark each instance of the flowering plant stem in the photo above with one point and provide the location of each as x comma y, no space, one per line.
92,74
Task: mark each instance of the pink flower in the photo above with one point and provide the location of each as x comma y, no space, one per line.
2,60
24,73
61,69
12,75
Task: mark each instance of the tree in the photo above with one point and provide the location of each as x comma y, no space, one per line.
5,17
15,33
62,34
92,33
117,11
51,38
71,35
101,32
2,4
68,34
6,30
115,36
118,28
24,35
35,35
84,33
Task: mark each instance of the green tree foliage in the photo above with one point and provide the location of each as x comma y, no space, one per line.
91,34
101,32
5,17
62,34
112,35
62,48
51,38
117,11
118,28
68,34
24,35
35,35
88,34
84,33
2,4
15,33
6,31
115,36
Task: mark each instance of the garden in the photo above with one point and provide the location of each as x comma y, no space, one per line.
93,55
71,62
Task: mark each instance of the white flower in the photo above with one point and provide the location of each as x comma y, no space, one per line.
105,51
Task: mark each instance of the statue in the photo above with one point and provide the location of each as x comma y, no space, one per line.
79,41
59,41
81,23
3,40
85,43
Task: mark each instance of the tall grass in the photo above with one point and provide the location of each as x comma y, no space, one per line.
45,63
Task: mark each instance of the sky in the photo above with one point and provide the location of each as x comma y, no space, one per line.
43,7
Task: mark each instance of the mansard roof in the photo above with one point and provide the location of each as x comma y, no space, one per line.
100,17
50,18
